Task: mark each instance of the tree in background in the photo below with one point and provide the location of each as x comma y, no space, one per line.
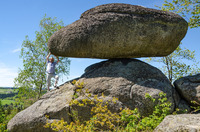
31,79
189,9
177,64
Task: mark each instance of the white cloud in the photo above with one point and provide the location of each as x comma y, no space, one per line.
16,50
7,75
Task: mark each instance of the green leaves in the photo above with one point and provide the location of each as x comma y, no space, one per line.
190,9
137,123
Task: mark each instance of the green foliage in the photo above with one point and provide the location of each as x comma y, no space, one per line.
8,107
6,101
104,120
32,78
7,112
187,8
2,112
138,123
3,127
195,108
175,66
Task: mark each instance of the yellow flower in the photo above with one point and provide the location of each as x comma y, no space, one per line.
103,95
74,81
102,123
89,95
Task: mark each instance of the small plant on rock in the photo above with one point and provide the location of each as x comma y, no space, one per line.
195,108
139,123
104,120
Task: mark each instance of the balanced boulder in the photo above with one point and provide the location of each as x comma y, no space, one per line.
189,88
120,31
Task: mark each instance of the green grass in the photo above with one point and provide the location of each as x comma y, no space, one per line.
5,101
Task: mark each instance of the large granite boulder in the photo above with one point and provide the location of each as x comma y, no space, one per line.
189,88
126,79
129,80
120,31
180,123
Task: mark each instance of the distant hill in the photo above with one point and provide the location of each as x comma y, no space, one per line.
8,92
8,88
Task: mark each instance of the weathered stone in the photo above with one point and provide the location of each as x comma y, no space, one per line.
189,88
32,119
180,123
128,80
183,107
120,31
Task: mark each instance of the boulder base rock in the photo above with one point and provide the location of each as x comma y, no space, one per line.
126,79
120,31
189,88
180,123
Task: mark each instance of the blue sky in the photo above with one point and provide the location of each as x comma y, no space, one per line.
21,17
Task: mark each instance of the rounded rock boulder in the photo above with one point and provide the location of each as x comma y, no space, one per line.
129,80
120,31
189,89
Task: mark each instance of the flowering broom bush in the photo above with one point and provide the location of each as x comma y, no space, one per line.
104,120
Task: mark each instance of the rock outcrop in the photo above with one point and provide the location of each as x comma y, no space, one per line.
189,88
32,119
180,123
117,32
126,79
120,31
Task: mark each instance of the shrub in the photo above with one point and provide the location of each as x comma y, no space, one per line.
3,127
161,110
103,119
